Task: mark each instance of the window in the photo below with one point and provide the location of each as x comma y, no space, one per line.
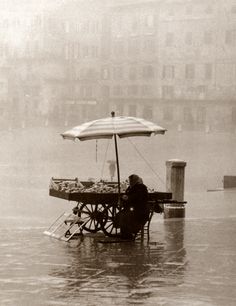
149,46
149,24
94,51
147,112
117,90
119,109
67,27
208,71
105,50
78,27
133,46
90,73
188,117
146,90
118,25
201,115
209,9
84,111
105,91
132,73
201,89
105,73
189,71
118,47
170,11
133,90
134,26
93,26
207,39
233,9
167,92
149,21
169,40
189,38
117,73
168,113
132,110
76,50
85,51
89,91
86,91
230,37
234,115
81,74
85,27
148,72
168,72
189,9
2,50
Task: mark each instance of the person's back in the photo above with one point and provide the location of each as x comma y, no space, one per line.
136,211
138,200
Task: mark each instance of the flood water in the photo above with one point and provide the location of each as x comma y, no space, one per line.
186,262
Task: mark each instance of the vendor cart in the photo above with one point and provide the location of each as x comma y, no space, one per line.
98,203
95,210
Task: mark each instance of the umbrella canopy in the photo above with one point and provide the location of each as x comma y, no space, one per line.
113,127
108,127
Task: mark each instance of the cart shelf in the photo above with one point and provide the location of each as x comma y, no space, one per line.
103,198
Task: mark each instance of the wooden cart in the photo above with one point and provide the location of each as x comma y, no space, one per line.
97,210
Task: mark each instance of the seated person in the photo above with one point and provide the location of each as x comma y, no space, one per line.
135,212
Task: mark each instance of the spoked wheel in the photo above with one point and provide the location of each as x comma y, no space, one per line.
93,215
110,225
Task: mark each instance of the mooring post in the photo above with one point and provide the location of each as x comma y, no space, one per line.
175,169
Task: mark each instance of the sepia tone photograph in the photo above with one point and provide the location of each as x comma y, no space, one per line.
117,152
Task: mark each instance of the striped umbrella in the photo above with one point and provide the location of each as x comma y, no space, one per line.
112,127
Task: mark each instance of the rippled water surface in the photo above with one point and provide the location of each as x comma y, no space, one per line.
187,262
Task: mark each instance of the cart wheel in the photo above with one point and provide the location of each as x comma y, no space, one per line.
109,224
94,215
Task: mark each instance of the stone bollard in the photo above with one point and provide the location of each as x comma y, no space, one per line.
175,183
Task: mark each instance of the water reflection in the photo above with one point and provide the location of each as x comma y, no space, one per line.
132,270
174,238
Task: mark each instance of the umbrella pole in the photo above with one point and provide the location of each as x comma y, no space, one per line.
117,165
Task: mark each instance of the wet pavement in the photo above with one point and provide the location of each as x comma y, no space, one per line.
186,262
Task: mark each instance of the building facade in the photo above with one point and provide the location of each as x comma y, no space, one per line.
170,61
176,62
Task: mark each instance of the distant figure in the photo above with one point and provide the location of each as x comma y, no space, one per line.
135,211
112,168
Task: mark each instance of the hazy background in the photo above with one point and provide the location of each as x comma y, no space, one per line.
66,62
63,63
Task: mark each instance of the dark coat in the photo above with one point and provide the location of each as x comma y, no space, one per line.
138,200
135,212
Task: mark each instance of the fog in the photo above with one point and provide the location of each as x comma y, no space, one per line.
67,62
